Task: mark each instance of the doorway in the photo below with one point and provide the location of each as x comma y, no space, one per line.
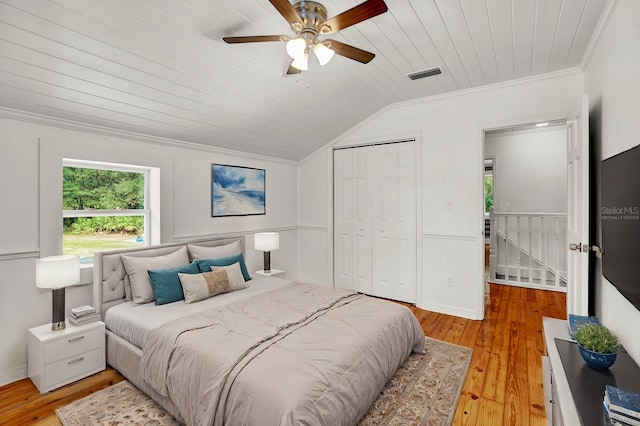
527,217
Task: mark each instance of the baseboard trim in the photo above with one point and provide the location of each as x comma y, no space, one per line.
449,310
10,376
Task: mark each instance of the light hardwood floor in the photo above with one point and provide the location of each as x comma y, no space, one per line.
503,386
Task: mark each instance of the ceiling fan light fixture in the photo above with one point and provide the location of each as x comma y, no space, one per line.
296,47
323,53
301,63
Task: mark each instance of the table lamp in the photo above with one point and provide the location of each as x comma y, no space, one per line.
56,273
266,241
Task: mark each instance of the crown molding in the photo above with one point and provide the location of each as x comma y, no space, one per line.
440,97
46,120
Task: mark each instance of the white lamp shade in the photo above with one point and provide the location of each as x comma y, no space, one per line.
266,241
57,271
323,53
296,47
301,63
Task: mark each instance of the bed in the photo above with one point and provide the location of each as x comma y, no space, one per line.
276,352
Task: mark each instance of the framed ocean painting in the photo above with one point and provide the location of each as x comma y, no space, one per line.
237,191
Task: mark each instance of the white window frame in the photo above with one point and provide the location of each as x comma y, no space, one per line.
491,173
145,212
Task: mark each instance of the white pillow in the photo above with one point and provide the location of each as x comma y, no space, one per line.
202,252
202,286
236,279
137,267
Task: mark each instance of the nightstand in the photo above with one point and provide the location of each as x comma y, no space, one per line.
57,358
273,273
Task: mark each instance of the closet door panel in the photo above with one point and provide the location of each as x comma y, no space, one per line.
405,222
343,262
361,223
383,268
404,265
342,217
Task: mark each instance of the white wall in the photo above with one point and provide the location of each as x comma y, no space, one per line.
313,238
450,131
611,80
31,193
530,170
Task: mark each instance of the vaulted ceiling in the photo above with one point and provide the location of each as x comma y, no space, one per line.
160,67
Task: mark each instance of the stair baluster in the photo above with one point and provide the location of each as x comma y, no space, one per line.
534,260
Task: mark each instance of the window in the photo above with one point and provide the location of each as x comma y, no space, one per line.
488,185
105,206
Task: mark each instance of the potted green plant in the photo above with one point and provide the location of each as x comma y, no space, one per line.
598,346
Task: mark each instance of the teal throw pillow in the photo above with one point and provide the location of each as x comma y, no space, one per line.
166,283
206,264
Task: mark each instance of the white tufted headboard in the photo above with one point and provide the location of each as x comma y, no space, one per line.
109,275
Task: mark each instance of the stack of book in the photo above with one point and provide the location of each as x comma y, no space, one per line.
83,315
621,407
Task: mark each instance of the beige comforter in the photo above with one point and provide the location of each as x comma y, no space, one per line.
299,355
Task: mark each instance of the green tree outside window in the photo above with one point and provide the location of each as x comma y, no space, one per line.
488,193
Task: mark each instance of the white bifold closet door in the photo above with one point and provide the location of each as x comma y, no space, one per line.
375,231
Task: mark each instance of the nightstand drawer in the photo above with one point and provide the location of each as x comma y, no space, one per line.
78,366
68,346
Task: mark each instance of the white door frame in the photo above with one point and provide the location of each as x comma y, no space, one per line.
578,209
483,128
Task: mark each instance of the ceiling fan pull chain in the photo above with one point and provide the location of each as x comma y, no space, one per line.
299,78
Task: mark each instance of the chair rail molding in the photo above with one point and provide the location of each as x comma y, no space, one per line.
26,254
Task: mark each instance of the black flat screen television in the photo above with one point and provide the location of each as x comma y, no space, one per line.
620,215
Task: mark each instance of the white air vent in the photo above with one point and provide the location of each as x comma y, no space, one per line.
424,73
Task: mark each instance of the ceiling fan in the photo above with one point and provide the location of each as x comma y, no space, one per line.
308,20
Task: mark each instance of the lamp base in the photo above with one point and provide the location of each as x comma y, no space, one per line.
57,326
57,322
267,261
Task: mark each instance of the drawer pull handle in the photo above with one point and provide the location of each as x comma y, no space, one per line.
75,339
73,361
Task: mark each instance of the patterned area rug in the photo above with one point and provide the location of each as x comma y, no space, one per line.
424,392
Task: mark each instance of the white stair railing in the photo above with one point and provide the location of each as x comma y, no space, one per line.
528,249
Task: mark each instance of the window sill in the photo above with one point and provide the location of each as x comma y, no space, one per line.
86,274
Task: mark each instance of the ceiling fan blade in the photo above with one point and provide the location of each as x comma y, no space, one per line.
254,39
287,11
349,51
359,13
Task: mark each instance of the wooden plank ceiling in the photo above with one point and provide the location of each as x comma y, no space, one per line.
159,67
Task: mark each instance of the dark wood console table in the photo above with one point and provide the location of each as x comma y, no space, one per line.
576,390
